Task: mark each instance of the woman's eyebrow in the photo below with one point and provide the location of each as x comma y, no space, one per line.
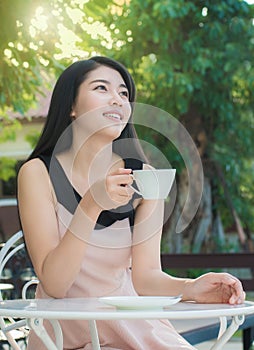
106,82
99,81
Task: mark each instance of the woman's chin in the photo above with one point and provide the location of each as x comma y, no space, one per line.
113,132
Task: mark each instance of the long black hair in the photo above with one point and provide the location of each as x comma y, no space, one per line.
63,98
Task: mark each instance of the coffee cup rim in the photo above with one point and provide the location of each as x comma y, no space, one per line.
148,170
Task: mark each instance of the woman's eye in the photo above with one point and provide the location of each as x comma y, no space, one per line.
101,87
124,93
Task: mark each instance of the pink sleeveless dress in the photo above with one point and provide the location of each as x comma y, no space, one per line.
106,272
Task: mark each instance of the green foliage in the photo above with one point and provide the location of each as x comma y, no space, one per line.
32,138
197,55
189,273
7,168
8,130
185,56
26,53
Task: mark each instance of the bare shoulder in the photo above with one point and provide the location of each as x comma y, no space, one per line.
33,173
34,185
31,168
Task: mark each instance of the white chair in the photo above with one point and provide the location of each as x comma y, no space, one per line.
14,331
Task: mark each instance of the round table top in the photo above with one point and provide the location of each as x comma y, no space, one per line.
94,309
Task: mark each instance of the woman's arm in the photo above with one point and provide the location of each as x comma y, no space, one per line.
149,279
58,262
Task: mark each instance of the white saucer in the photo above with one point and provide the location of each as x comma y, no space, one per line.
140,302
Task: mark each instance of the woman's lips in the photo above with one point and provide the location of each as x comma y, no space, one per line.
113,116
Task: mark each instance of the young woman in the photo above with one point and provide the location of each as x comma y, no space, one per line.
87,232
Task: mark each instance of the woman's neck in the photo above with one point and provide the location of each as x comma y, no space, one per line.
89,163
93,160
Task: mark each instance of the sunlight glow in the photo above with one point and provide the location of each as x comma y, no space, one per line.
75,15
43,61
39,22
117,7
67,44
8,53
15,62
33,46
80,3
96,30
55,13
204,11
20,47
19,24
120,43
32,31
25,64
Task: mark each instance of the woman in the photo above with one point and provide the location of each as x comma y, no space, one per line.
76,208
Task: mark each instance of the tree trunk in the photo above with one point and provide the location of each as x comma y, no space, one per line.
199,230
203,226
205,232
218,234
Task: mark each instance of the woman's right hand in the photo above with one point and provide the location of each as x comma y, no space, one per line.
105,194
113,191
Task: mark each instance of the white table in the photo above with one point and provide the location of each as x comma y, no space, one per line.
91,309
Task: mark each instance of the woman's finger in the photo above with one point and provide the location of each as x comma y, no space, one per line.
236,289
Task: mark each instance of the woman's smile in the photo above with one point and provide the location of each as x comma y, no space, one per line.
113,115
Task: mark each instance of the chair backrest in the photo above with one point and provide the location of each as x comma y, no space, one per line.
8,250
14,259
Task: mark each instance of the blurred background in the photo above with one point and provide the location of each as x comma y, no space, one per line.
192,59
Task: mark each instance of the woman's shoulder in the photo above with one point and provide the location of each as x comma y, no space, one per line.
33,178
32,165
32,169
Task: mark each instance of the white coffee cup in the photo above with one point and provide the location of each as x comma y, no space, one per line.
153,183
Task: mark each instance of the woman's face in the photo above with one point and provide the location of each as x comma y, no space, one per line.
103,102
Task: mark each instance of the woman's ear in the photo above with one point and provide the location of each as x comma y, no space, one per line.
72,115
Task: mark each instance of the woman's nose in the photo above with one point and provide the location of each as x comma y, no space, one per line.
116,99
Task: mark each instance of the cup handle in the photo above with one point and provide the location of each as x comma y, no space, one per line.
139,185
135,190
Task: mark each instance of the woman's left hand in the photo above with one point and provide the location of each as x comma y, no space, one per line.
216,288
